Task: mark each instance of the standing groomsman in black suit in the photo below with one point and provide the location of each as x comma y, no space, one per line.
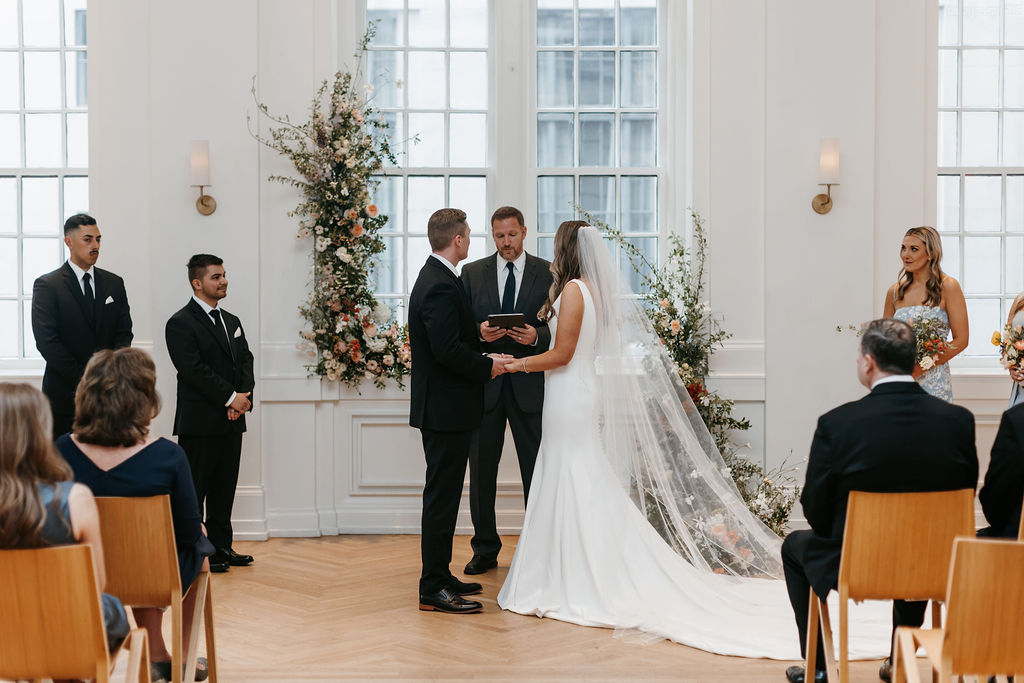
1003,491
215,383
896,439
77,310
508,281
448,376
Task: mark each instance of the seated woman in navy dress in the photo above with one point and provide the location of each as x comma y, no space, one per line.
112,452
40,505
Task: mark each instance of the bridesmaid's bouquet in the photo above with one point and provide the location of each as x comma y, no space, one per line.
1011,345
931,340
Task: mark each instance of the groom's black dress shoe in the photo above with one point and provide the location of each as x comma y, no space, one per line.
229,556
446,601
480,564
463,587
795,674
217,564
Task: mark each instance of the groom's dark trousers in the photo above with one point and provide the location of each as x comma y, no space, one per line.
896,439
448,377
515,400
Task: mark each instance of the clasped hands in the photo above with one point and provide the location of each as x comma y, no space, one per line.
1017,374
525,335
498,362
239,406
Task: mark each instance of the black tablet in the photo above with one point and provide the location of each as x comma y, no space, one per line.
506,320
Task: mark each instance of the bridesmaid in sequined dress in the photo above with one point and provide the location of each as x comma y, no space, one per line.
924,291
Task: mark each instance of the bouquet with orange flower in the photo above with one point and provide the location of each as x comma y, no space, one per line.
931,340
1011,345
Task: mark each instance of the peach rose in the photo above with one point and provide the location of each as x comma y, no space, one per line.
356,355
371,210
357,229
1019,345
351,214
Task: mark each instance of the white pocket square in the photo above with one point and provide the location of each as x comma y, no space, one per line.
109,300
238,332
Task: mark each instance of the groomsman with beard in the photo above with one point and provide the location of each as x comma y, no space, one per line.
448,376
77,310
896,439
508,281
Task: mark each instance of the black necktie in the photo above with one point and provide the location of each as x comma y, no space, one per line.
90,297
508,299
220,328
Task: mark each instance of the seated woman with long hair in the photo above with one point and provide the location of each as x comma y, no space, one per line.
40,505
112,452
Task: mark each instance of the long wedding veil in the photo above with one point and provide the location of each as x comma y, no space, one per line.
656,441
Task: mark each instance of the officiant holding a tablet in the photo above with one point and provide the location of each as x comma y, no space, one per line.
506,290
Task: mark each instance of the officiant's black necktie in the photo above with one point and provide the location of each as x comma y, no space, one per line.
222,330
90,297
508,299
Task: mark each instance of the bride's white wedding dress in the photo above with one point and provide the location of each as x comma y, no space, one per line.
589,553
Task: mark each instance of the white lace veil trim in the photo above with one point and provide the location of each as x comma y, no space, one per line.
656,441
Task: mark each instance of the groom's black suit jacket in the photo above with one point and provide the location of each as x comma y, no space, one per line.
1004,482
481,281
896,439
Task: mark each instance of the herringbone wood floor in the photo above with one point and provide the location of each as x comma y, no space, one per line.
345,608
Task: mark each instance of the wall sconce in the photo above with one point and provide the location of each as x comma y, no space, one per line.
828,172
199,161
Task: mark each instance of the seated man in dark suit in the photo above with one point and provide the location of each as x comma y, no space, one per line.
895,439
1004,482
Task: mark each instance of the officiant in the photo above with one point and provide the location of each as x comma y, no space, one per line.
508,281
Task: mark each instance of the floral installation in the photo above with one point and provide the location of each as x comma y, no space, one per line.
351,336
1011,345
931,340
674,299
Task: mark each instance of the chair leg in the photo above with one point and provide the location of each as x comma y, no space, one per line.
844,636
905,654
811,647
826,642
211,650
937,625
176,637
138,657
191,648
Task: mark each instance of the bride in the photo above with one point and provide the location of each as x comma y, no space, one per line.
633,521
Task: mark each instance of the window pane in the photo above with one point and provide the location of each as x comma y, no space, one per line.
554,140
428,150
1013,138
469,141
74,22
638,22
40,206
951,256
78,140
546,248
469,23
982,203
1014,28
76,196
554,22
10,81
387,265
981,271
389,200
478,248
469,193
597,139
947,78
1015,203
554,79
949,29
8,23
981,78
77,79
427,80
948,211
639,204
389,20
8,205
554,202
426,23
979,145
419,252
42,80
983,319
8,329
597,197
1013,78
40,256
597,22
10,141
648,246
426,194
981,22
8,267
639,79
43,133
947,138
396,137
386,70
639,134
1014,265
469,80
597,79
41,23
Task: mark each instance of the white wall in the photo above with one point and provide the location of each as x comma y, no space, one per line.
768,80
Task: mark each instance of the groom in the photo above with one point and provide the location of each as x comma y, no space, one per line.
448,376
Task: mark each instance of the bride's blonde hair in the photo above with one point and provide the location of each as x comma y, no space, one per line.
566,264
933,250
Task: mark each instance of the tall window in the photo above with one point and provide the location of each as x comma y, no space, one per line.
44,151
980,211
429,65
597,118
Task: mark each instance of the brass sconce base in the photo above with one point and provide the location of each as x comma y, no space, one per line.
205,204
822,203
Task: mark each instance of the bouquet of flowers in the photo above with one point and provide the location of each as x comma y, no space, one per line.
931,340
1011,345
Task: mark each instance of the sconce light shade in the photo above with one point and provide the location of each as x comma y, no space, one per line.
199,167
828,174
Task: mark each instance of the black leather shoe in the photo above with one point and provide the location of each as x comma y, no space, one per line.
795,674
446,601
463,587
885,671
217,565
480,564
231,557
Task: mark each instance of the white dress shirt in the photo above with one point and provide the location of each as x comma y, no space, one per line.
517,268
207,307
446,262
79,273
893,378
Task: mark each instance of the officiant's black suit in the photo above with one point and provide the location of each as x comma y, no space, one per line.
1004,482
447,391
68,330
516,398
896,439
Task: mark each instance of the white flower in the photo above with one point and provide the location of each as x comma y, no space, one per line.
388,360
381,313
369,87
694,474
689,500
328,355
376,344
303,233
333,376
927,363
346,258
322,243
350,162
725,471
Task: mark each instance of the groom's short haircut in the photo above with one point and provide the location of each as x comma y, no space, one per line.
444,225
892,344
503,212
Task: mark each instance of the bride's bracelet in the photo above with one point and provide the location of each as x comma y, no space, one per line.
524,367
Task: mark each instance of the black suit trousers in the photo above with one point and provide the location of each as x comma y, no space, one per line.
903,613
446,454
214,462
485,456
61,423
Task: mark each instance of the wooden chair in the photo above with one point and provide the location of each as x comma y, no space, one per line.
984,632
895,546
52,624
142,570
1020,532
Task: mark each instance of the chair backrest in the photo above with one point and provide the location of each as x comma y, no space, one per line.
897,545
51,624
139,550
985,607
1020,532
